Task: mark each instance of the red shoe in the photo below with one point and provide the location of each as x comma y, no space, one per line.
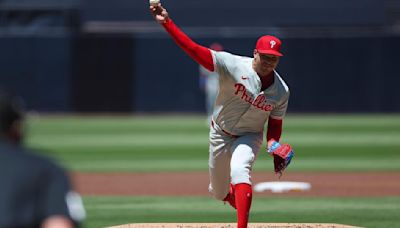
230,197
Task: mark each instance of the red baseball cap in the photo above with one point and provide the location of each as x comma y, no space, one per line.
269,45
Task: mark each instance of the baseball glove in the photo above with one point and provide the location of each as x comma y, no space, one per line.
283,154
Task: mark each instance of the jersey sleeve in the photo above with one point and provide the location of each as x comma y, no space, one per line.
222,62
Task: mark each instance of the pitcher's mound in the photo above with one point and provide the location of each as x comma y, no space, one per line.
233,225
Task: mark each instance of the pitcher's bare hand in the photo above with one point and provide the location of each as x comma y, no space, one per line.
159,13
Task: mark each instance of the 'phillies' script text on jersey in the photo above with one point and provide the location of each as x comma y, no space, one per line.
241,105
259,102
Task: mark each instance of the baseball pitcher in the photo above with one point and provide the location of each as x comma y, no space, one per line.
251,93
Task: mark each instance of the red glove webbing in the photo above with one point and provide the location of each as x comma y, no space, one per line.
198,53
274,129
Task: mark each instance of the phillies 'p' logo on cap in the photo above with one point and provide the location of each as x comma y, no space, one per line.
269,45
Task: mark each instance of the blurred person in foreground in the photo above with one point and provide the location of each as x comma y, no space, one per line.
34,191
208,81
251,93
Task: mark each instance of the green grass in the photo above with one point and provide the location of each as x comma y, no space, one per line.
369,143
364,212
176,143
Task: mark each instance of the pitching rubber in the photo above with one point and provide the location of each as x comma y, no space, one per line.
232,225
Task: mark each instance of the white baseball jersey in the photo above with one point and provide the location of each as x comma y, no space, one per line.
241,107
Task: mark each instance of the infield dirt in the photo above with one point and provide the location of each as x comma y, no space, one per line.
196,183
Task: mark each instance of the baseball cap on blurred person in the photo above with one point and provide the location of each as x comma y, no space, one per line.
216,47
269,45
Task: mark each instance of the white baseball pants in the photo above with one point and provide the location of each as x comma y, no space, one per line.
231,159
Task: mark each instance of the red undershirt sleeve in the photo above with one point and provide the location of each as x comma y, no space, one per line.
200,54
274,129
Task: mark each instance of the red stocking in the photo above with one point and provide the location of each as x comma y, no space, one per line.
243,197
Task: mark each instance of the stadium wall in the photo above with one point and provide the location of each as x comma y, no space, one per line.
128,74
110,56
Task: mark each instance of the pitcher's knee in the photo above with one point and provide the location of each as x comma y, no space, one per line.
240,174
